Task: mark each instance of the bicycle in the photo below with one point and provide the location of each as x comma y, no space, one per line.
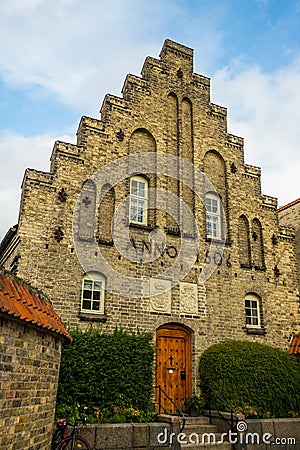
63,441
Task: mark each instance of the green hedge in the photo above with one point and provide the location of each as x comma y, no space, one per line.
106,371
247,373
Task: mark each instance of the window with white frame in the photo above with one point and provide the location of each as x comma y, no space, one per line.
138,200
213,216
92,295
252,310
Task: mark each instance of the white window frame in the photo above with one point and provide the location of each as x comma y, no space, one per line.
252,311
138,201
93,284
213,218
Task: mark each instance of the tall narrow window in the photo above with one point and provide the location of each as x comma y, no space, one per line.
213,216
252,311
92,294
138,200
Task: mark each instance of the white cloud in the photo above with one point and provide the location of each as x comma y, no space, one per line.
17,153
17,6
264,109
75,49
79,50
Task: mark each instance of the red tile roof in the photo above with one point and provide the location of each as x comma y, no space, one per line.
295,345
289,204
19,300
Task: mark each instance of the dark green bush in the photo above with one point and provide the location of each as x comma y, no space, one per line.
106,371
247,373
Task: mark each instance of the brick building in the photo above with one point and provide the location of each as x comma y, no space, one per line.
289,216
178,242
30,343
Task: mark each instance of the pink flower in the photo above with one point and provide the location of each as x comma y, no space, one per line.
255,413
250,411
116,409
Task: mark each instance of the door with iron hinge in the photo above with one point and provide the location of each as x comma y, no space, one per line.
173,366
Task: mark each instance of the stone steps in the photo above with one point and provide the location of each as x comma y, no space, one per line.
198,434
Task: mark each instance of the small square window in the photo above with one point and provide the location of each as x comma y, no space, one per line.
86,304
92,294
88,284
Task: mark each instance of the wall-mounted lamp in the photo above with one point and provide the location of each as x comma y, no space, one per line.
171,369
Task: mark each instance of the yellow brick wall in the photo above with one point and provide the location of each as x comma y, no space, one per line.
168,111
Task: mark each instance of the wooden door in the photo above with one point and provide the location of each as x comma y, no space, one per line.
173,366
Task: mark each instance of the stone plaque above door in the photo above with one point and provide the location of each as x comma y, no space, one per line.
188,298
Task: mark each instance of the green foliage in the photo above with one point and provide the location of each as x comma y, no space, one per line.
105,372
105,415
251,412
195,401
121,415
247,373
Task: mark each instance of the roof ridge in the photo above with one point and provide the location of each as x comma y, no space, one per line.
20,300
19,281
295,344
289,204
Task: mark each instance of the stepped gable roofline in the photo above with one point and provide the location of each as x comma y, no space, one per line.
19,300
8,238
170,46
295,345
282,208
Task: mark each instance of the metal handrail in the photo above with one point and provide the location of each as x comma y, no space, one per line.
232,411
161,390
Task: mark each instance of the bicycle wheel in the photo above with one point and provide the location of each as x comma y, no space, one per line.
79,444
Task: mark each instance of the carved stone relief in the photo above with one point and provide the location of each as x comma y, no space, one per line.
160,296
188,298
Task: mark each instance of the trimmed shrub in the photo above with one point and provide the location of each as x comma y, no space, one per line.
247,373
106,371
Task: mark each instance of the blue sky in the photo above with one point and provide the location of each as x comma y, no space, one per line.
60,57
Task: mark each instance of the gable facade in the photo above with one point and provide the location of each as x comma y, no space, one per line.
154,223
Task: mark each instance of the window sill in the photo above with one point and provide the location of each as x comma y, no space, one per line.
173,231
255,331
90,317
105,242
218,241
140,226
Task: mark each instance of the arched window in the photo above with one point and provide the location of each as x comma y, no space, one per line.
138,200
252,311
92,293
213,216
214,168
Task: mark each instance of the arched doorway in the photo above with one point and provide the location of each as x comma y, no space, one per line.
173,365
